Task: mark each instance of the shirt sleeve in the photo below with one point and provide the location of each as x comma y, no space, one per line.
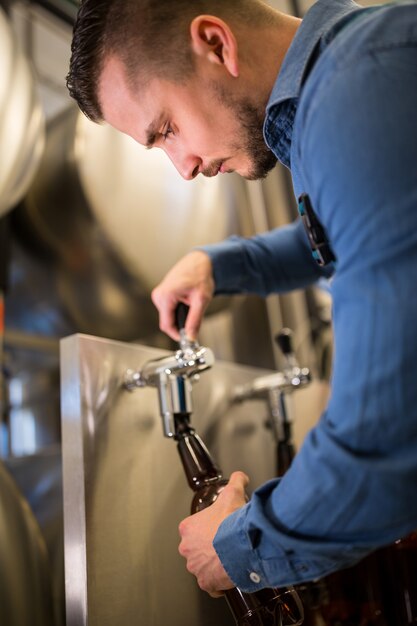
353,484
273,262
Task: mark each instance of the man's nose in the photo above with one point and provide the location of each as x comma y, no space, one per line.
187,165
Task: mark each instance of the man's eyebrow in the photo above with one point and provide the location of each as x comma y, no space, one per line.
153,130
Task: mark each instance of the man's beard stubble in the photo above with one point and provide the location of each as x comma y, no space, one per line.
251,119
260,156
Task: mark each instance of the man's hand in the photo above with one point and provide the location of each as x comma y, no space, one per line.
189,281
197,535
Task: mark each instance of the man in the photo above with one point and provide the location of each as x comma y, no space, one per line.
232,86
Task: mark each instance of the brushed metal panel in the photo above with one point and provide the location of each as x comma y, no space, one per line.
124,488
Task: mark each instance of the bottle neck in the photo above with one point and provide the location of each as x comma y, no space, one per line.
199,466
285,456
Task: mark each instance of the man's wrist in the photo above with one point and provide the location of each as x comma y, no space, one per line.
226,261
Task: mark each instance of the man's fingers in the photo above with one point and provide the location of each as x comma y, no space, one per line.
239,480
194,318
197,533
216,594
168,324
235,490
189,281
166,308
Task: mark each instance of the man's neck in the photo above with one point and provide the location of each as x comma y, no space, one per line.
264,51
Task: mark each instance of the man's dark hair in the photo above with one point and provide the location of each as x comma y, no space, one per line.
151,38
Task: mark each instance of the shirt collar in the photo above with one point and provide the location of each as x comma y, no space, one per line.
318,20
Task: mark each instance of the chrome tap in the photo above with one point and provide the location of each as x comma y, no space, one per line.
276,389
291,378
173,376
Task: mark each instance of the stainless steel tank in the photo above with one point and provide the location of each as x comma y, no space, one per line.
111,219
22,130
39,479
25,578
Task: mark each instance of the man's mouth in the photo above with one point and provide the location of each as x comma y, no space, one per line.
214,168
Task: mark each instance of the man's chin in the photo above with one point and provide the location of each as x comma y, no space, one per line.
255,168
260,172
261,161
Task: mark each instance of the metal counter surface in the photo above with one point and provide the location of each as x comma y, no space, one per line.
124,487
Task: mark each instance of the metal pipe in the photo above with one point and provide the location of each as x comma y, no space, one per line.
65,10
296,8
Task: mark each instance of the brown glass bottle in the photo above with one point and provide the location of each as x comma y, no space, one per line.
268,607
381,590
398,568
351,597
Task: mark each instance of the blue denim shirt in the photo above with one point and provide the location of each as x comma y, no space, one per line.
346,125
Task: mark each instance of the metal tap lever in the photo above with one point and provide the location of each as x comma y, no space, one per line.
291,378
173,376
284,341
181,314
275,389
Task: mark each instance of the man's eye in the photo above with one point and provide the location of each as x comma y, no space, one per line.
166,132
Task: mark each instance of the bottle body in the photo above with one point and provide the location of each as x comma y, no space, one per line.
268,607
398,570
350,597
265,607
380,590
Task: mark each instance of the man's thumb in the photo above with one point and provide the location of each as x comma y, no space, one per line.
236,487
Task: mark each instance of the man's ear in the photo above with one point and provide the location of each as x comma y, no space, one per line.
213,39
